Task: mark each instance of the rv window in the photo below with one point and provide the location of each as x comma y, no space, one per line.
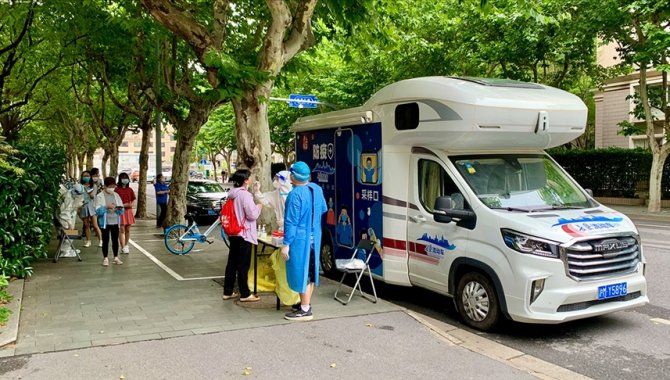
406,116
434,182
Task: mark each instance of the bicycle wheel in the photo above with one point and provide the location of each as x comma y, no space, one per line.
173,241
224,237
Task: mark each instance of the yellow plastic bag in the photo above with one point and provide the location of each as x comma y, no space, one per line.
285,294
266,275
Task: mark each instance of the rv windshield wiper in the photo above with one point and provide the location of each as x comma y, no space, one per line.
512,209
563,207
559,207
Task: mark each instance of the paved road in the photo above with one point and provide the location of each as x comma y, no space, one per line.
631,344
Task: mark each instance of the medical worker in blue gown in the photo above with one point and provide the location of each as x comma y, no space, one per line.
304,208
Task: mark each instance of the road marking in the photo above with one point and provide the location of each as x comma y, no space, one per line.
661,321
156,261
651,225
166,268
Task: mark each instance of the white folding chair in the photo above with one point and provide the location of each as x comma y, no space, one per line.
357,267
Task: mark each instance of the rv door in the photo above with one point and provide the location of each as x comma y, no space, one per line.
432,246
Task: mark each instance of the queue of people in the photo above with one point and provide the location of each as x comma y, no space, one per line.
108,211
298,205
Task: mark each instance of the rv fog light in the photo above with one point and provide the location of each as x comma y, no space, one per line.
536,289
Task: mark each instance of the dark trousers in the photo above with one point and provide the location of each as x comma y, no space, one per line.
114,230
239,261
161,215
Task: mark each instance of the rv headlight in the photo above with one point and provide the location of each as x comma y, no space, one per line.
530,244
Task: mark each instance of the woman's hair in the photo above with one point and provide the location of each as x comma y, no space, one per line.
123,176
94,171
239,177
81,178
109,181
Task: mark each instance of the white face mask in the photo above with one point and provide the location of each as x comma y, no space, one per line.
276,184
109,190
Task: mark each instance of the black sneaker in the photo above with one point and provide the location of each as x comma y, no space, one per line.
299,315
296,306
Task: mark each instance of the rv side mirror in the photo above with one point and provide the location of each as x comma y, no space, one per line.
589,192
442,204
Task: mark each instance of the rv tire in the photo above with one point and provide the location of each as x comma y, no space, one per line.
327,255
477,302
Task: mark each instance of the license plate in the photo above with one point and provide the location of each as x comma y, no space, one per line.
211,212
614,290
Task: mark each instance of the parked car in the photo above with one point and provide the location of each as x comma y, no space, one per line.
135,176
204,199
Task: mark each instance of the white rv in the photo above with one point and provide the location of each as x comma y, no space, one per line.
450,176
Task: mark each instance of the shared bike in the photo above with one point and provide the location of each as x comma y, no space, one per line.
180,239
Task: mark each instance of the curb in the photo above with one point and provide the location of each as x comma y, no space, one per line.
496,351
10,333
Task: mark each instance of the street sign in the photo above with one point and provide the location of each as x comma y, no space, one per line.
302,101
204,162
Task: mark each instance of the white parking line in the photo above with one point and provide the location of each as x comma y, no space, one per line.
165,267
660,320
156,261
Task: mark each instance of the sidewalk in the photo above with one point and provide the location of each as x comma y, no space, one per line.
161,316
641,213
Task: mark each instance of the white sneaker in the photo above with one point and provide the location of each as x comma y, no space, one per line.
126,250
117,261
105,262
87,243
100,243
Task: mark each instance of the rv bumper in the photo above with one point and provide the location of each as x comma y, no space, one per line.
563,299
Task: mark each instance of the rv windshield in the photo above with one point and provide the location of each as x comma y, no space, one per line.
520,182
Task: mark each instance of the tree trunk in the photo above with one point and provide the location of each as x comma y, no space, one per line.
113,159
212,156
144,166
103,169
187,131
253,138
655,177
81,157
89,158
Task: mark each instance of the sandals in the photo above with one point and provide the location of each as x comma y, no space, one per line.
252,298
230,297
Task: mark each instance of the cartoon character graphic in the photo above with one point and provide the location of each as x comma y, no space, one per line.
330,216
368,168
344,229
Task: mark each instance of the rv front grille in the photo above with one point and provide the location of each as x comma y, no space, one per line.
602,258
588,304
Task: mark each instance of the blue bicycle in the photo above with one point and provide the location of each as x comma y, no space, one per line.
180,239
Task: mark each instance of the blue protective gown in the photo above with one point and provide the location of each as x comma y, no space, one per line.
297,231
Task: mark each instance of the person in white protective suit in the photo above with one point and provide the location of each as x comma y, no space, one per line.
71,200
277,197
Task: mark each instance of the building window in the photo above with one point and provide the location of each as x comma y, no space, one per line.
137,144
124,144
642,141
172,149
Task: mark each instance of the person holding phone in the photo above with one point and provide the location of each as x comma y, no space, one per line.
109,207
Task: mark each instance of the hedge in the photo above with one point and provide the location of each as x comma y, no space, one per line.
612,172
27,207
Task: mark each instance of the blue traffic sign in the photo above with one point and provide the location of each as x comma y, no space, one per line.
302,101
204,162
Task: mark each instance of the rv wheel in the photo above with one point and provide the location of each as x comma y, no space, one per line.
477,302
327,255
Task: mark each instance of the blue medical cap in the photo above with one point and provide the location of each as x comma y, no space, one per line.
300,171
